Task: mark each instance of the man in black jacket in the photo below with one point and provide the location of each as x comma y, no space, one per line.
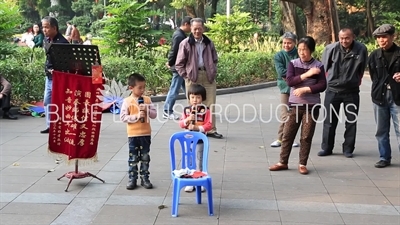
177,81
344,63
384,69
52,35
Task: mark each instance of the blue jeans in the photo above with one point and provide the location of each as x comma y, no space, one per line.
382,119
47,99
177,83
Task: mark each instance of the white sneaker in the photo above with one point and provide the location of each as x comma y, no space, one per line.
276,143
189,188
170,116
203,189
295,144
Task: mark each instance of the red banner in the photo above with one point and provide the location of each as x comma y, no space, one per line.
75,116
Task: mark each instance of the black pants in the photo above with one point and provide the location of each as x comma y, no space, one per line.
351,102
5,103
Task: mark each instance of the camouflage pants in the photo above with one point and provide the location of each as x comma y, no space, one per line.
139,149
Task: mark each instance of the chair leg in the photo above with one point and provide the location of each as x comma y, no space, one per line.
198,194
175,199
210,199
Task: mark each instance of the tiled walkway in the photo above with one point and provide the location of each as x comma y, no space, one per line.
337,190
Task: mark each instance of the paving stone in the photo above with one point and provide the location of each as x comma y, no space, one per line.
249,215
311,217
301,206
357,219
41,198
21,219
134,200
367,209
123,214
360,199
29,209
8,197
80,211
249,204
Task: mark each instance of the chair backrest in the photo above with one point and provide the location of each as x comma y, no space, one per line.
188,141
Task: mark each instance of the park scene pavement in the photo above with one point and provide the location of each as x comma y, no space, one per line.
337,191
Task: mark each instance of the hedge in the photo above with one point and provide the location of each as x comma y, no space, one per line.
25,71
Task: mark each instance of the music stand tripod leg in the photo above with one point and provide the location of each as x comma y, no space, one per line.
94,176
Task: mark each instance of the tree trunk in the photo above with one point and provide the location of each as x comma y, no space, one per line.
370,19
335,25
200,10
190,11
290,19
214,4
320,23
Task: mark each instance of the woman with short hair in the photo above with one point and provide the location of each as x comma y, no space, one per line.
306,78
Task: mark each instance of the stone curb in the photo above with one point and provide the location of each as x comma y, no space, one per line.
224,91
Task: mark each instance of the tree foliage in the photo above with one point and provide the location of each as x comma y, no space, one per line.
128,29
229,33
9,20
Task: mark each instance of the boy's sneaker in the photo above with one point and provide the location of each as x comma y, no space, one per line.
131,184
145,182
170,116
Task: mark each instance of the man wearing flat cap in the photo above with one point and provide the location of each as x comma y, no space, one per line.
384,69
344,63
281,61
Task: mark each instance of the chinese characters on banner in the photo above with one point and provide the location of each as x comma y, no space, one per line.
75,116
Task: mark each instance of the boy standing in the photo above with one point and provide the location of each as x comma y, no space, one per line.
136,111
196,117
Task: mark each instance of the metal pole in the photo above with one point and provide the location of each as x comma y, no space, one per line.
228,8
175,19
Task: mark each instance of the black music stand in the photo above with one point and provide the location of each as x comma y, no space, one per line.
77,59
72,58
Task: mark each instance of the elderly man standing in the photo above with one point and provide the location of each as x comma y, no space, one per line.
384,69
52,34
197,63
5,98
344,62
281,61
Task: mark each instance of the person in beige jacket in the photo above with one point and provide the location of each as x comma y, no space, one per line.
5,98
197,62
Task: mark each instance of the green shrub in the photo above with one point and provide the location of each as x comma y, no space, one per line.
230,33
243,68
25,71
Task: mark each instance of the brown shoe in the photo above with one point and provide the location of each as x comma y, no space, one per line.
303,169
278,167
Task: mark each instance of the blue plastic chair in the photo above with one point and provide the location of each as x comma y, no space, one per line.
188,141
